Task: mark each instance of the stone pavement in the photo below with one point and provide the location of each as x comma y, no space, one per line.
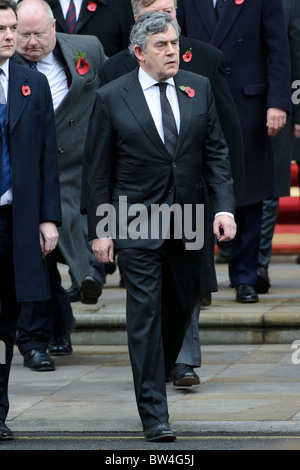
249,383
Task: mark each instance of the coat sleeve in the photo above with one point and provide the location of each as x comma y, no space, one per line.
294,41
50,192
279,69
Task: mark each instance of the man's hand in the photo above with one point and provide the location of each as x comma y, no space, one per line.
296,130
276,120
103,249
224,228
48,237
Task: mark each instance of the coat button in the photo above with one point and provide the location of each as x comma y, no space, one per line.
61,150
228,70
239,42
71,122
174,165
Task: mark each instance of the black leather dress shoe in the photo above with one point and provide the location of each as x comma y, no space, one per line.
38,360
160,432
5,433
60,346
90,290
246,294
262,283
183,375
74,294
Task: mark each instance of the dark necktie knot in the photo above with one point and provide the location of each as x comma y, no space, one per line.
162,86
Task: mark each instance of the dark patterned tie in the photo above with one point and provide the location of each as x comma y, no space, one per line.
219,8
71,18
5,170
168,120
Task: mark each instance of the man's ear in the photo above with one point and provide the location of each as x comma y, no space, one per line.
138,53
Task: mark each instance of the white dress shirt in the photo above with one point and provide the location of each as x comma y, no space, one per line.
6,198
152,95
56,76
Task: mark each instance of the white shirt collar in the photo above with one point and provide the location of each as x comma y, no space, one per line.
147,81
5,68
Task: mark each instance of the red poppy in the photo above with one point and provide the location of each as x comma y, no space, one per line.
82,66
190,91
26,90
239,2
92,6
187,57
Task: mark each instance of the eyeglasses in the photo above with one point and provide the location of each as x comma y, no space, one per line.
27,37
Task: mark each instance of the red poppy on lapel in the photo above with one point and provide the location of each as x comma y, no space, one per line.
188,90
187,57
92,6
238,2
26,90
82,66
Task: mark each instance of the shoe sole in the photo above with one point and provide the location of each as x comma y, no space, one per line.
60,353
249,301
186,382
41,369
165,438
90,292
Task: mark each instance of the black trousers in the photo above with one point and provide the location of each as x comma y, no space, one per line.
10,308
39,321
162,289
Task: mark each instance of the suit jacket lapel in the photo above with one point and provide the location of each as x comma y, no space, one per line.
185,107
207,15
16,99
224,25
85,13
58,14
134,97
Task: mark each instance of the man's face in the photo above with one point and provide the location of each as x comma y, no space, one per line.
165,6
36,35
8,34
161,57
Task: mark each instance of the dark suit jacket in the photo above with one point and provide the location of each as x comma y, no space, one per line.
110,22
252,35
32,144
208,61
284,143
128,158
71,122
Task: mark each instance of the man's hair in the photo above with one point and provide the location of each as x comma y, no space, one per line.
6,4
149,24
138,4
44,4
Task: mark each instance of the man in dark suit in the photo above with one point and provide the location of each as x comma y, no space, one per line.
109,20
30,201
73,94
253,38
282,145
136,156
201,58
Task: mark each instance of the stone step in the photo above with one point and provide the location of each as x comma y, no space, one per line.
274,319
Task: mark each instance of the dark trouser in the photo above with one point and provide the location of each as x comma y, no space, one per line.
243,261
10,308
162,289
39,321
269,216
